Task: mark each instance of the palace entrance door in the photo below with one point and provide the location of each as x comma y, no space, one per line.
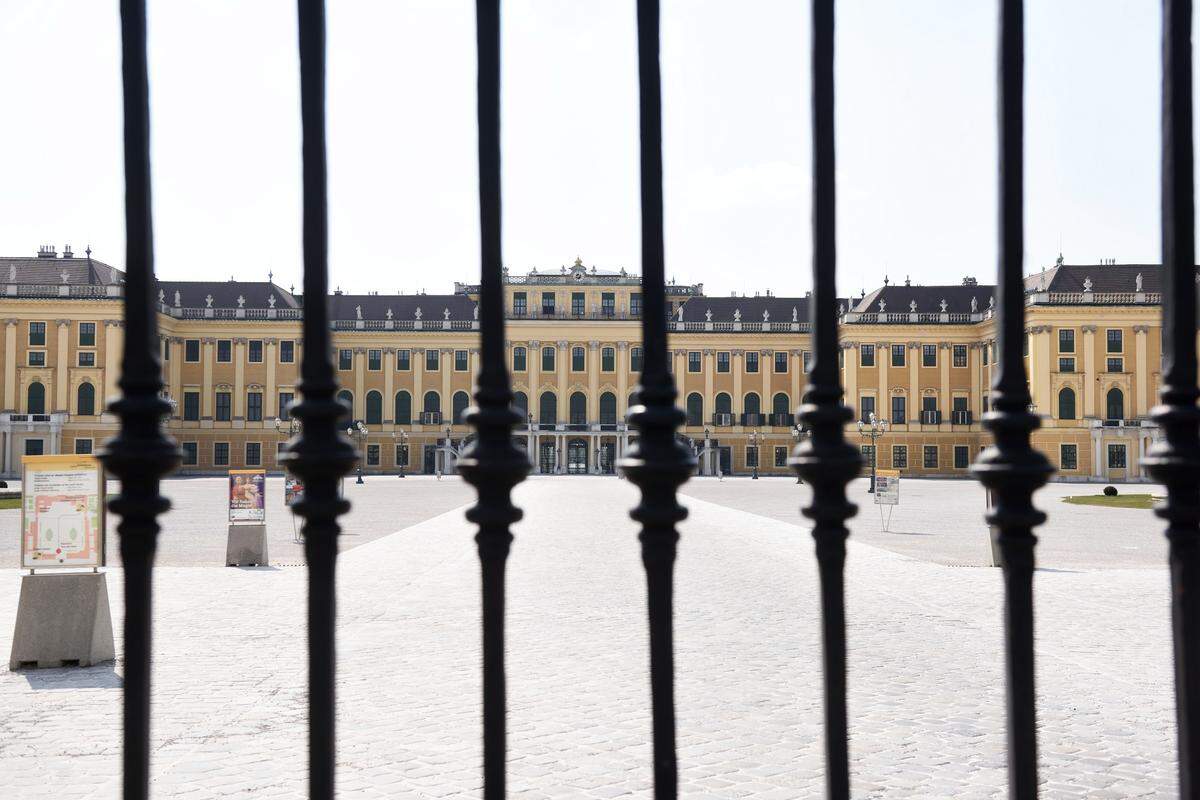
577,457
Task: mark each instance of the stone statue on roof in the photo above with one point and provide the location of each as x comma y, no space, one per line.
241,301
912,307
271,301
795,314
708,315
208,301
974,305
389,314
882,305
476,311
162,296
679,312
177,298
417,314
1137,283
358,312
65,276
992,302
112,275
446,314
737,315
766,315
942,305
1087,283
12,273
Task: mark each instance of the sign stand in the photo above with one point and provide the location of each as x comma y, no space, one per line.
63,618
887,493
886,522
247,542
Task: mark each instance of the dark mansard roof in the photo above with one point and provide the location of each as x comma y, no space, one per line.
1105,278
899,299
403,306
49,271
225,294
752,308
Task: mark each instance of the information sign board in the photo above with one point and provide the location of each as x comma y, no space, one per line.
62,511
887,487
247,495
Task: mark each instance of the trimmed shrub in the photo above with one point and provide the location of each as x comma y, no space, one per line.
1110,491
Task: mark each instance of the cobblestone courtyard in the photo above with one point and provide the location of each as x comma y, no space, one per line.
926,689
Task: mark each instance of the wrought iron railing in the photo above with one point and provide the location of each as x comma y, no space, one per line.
657,461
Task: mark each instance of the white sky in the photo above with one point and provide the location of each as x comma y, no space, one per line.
916,123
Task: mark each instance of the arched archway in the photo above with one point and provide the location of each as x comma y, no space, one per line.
374,410
548,409
578,408
781,404
752,404
403,408
1114,403
521,404
85,400
724,404
458,406
695,409
1066,403
608,409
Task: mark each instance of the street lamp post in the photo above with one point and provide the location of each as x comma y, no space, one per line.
707,459
800,432
359,432
874,429
754,444
403,460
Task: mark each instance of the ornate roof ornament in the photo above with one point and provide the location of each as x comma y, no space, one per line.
795,314
177,298
388,314
679,312
476,312
1087,283
912,306
1137,283
64,275
417,314
271,301
241,301
992,302
12,273
162,296
708,315
358,312
882,305
737,315
974,305
208,301
942,305
446,314
766,315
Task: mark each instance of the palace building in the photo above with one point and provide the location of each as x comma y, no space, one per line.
918,357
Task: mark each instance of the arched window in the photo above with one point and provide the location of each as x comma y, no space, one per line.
458,405
547,409
403,408
781,404
1066,403
751,406
374,408
695,409
578,409
433,402
608,409
521,404
1115,401
724,404
346,398
85,400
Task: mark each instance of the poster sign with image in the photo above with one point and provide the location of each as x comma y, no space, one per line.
887,487
293,490
247,495
62,511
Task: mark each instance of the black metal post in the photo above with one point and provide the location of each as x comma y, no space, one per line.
826,460
320,455
657,462
493,464
1175,461
141,453
1011,468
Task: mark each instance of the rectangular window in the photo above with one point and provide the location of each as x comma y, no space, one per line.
83,447
806,360
723,362
253,454
254,351
518,359
608,359
960,355
781,456
1116,456
635,359
224,351
166,349
372,455
693,361
375,360
866,355
191,406
868,453
752,456
221,454
751,361
37,334
37,358
224,406
191,454
781,362
1116,365
34,447
1115,340
462,360
87,334
87,358
960,403
1025,345
191,351
1066,341
866,407
345,359
401,455
578,359
432,361
931,456
287,352
898,355
985,407
961,456
577,305
1066,364
547,359
548,304
608,304
520,304
1068,456
929,355
403,360
899,456
285,400
985,354
635,304
254,406
899,411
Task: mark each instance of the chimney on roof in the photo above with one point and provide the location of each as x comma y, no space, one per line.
907,282
67,251
47,251
970,281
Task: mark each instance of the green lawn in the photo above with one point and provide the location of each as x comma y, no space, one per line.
1120,501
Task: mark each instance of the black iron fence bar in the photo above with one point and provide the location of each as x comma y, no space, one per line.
1175,461
657,462
826,460
141,453
1011,468
493,464
320,455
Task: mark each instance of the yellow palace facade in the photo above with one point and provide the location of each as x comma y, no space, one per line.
916,357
